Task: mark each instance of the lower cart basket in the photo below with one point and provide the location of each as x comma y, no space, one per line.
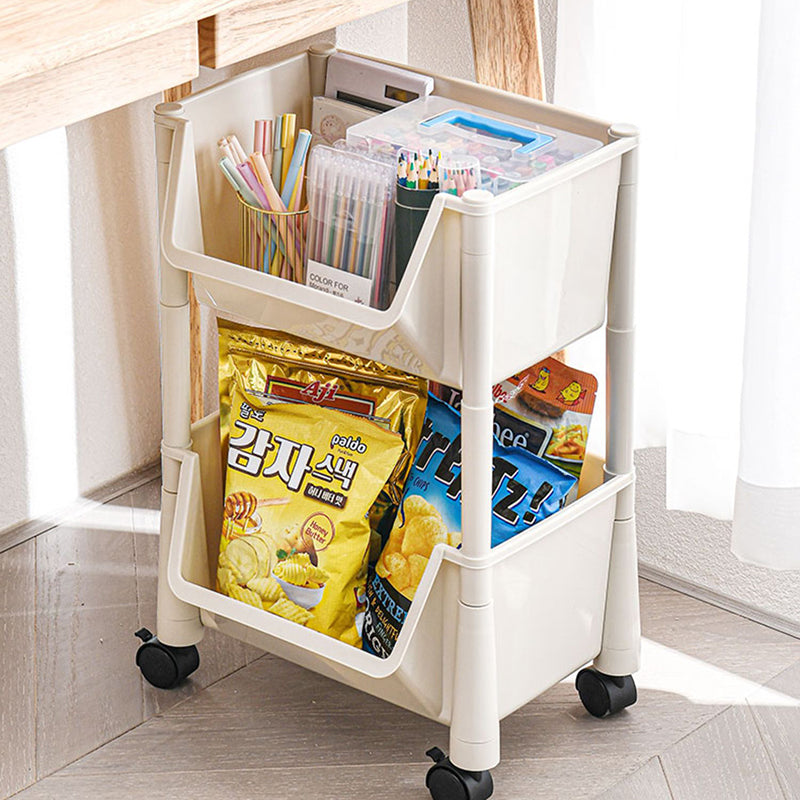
549,589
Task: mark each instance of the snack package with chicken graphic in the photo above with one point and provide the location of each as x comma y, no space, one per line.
547,409
525,490
304,473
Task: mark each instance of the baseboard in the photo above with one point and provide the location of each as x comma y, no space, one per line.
29,529
775,621
18,534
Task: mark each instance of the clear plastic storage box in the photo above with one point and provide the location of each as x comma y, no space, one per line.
511,151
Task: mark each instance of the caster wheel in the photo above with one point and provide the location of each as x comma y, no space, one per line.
162,665
445,781
602,694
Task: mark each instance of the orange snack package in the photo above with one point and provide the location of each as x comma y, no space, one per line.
545,409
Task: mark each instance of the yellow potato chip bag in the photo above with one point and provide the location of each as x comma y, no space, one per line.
300,481
276,367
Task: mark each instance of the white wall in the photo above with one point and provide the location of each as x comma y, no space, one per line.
79,369
695,549
383,35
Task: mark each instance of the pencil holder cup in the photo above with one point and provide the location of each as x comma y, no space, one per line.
274,241
411,208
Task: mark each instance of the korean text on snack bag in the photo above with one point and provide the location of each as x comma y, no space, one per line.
276,367
300,480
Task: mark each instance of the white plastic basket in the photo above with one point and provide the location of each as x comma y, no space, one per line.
549,598
551,252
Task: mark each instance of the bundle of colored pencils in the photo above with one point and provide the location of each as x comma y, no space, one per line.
416,171
459,175
270,183
452,174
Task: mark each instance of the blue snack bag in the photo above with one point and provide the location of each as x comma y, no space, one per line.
525,490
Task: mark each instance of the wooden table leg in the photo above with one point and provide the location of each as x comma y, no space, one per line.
177,92
508,50
173,95
507,46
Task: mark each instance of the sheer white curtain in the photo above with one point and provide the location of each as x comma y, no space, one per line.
766,521
687,74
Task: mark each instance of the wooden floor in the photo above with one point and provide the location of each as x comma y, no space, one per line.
718,718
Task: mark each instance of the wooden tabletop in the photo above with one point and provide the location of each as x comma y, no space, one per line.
64,60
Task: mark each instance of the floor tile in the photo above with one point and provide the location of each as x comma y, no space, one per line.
87,692
647,783
279,782
17,668
710,634
248,737
575,778
276,728
297,778
723,760
776,709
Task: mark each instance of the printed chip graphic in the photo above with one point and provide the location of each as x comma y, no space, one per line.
295,555
267,588
417,530
423,534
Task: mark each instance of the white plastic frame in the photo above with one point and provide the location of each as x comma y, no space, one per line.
463,316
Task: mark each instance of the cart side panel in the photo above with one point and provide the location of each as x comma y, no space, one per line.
549,606
231,108
553,253
419,337
392,689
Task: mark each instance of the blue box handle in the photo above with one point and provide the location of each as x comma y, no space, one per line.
531,140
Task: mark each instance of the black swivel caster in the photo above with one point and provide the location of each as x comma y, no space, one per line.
445,781
603,694
162,665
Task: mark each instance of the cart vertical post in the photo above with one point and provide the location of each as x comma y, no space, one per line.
620,651
178,623
318,55
475,726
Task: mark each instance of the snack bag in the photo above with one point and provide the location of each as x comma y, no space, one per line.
525,490
546,408
300,480
276,367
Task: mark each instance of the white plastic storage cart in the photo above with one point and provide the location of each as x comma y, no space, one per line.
493,285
